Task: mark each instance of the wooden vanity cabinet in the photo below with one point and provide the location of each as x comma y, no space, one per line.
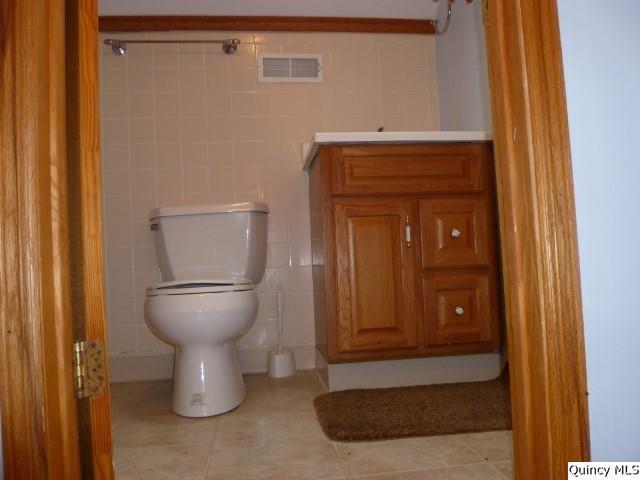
404,250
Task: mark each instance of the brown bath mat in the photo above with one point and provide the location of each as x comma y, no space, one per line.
385,413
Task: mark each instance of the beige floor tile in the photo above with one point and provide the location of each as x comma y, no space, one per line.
505,468
277,394
274,435
135,400
470,472
404,454
317,387
245,431
460,455
491,446
165,430
280,459
162,463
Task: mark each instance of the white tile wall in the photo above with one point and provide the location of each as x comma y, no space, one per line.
189,125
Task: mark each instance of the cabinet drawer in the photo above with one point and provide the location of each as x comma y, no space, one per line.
459,309
454,232
408,169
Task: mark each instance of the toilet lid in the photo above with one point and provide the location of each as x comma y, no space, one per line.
190,287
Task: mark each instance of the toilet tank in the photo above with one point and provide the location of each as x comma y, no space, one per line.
223,242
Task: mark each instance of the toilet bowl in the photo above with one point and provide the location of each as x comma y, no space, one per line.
203,320
203,315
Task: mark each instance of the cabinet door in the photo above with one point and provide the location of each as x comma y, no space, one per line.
376,272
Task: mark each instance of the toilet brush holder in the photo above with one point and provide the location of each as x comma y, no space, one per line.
281,364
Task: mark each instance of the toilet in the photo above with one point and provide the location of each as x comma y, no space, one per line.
211,258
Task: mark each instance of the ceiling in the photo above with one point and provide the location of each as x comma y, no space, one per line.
325,8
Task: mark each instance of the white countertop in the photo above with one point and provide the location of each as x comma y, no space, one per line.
310,149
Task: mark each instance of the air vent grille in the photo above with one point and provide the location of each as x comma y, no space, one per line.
276,67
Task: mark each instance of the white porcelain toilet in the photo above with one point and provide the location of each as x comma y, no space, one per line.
211,258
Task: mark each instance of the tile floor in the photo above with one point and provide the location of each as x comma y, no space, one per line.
274,435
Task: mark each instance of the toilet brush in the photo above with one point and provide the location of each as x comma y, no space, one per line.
281,362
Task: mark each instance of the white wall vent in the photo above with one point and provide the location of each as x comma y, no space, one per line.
289,67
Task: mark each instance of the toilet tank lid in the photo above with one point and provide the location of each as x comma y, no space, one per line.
213,208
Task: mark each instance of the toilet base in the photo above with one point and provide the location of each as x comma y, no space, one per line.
207,380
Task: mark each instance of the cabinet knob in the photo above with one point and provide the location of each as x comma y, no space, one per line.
455,233
459,311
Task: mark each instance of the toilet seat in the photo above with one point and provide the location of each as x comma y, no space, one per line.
198,286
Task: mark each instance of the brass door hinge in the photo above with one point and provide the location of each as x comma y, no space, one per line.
89,368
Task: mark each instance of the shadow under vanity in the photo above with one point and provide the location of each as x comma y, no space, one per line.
405,258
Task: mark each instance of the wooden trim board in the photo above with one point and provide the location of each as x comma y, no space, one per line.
271,24
85,222
538,237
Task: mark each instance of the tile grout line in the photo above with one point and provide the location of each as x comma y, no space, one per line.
486,460
502,475
211,451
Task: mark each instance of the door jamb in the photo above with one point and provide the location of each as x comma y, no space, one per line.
539,238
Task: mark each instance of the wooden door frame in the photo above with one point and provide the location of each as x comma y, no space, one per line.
539,238
537,220
39,420
50,240
85,222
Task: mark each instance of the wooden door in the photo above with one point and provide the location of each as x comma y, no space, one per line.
39,417
50,240
376,275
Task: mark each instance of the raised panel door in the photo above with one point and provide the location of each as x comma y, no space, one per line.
376,275
458,309
454,232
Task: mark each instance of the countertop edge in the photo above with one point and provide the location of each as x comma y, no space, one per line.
310,149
